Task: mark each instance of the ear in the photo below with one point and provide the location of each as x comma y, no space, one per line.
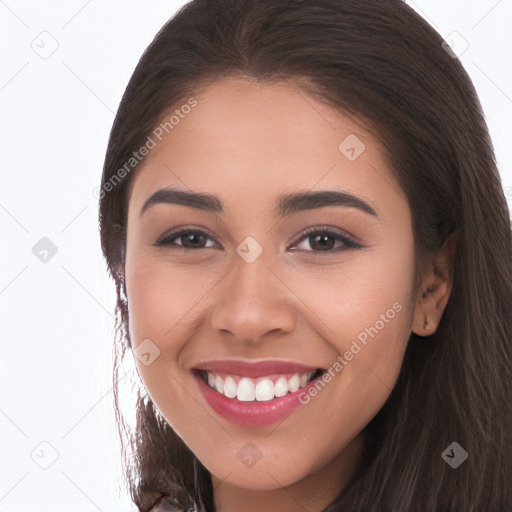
434,291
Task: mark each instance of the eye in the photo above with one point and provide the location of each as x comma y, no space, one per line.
189,238
320,239
323,239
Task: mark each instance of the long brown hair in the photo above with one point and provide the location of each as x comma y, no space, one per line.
381,62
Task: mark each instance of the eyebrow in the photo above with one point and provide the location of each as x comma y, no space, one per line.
287,204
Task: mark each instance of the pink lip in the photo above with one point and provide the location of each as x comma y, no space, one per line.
253,369
250,414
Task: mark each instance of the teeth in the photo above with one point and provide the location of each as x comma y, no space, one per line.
219,384
294,383
245,391
281,387
230,387
261,389
264,390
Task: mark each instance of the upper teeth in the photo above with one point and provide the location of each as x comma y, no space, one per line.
260,389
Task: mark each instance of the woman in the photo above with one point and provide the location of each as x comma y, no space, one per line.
311,247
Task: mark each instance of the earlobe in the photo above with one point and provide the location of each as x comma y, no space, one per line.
435,289
430,307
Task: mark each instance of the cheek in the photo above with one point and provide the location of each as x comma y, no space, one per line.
351,296
159,296
163,307
363,309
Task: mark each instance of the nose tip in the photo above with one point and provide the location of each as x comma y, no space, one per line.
253,302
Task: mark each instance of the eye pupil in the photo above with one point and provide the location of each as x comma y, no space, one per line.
323,241
192,237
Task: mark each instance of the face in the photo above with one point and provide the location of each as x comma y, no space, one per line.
300,267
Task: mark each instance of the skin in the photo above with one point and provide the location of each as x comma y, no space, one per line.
248,144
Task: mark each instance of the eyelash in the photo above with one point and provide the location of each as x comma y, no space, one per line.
348,243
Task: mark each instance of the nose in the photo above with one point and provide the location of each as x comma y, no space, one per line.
253,302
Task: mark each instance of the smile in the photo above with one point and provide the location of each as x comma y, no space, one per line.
253,394
262,389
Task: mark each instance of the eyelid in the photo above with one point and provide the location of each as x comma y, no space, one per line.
342,236
338,234
177,232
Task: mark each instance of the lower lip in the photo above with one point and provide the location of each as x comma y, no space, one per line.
251,414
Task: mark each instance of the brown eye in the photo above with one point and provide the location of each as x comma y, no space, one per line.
193,240
321,242
187,239
324,240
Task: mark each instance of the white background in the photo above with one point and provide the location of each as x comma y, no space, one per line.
56,317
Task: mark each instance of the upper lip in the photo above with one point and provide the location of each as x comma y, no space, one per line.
253,369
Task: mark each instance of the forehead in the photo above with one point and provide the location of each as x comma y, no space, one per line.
255,141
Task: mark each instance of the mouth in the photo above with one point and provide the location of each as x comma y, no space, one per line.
254,394
261,389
